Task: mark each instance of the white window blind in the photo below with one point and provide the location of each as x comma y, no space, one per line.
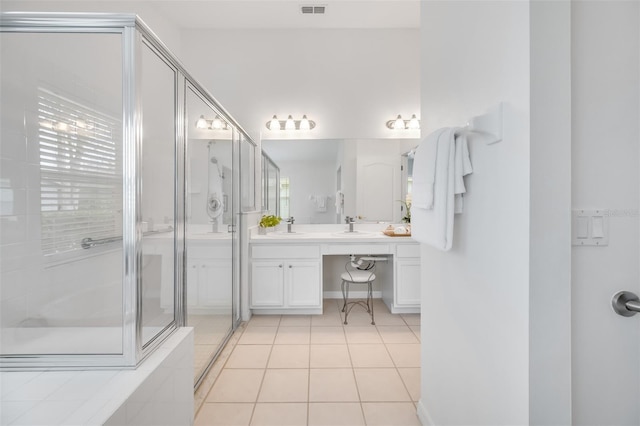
80,173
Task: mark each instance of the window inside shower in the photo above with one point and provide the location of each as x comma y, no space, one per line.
61,238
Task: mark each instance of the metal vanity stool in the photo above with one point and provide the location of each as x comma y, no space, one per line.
359,271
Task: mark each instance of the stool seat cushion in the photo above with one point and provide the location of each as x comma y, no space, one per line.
358,276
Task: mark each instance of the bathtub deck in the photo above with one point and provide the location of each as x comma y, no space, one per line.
159,392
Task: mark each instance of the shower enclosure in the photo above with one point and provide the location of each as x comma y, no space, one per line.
118,207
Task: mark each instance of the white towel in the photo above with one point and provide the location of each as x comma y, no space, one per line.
462,168
339,202
424,171
435,226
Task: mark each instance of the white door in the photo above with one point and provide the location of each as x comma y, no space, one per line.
605,166
378,181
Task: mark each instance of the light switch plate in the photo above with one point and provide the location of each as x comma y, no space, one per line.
590,227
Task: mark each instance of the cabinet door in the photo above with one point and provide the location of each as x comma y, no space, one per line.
267,284
303,283
214,283
408,282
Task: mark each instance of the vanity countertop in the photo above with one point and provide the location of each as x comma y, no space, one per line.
330,234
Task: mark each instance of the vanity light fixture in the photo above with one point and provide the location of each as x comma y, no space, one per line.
304,123
274,124
400,124
290,123
215,124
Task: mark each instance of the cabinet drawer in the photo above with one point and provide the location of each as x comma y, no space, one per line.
408,250
211,252
285,251
357,249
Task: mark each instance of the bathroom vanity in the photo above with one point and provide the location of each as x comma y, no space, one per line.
288,270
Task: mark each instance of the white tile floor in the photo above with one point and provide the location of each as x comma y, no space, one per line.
313,370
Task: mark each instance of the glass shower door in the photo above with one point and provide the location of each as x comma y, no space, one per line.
158,158
210,219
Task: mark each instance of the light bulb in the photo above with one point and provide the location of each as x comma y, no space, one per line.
201,123
414,123
399,123
217,123
290,124
274,124
304,123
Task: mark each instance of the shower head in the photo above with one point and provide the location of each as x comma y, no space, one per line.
214,160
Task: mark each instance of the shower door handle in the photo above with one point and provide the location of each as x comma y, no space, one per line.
626,303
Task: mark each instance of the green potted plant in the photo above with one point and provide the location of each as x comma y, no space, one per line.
268,221
407,209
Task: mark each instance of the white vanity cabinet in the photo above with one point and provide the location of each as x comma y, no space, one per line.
287,271
407,280
209,272
286,278
401,294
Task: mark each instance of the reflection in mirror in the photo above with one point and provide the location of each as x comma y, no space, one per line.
272,189
307,182
407,183
209,214
363,175
247,176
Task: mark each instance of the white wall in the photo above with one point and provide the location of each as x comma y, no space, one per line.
349,81
475,298
161,26
605,77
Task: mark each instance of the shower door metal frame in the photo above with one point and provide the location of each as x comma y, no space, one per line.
201,93
133,33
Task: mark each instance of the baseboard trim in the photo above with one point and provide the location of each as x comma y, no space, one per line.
352,294
423,415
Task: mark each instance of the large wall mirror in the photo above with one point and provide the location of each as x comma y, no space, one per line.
324,180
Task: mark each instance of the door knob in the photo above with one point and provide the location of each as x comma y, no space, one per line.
626,303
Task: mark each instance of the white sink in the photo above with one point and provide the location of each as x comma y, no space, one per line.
289,234
352,234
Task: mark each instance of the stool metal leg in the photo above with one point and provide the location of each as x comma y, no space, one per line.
368,305
370,299
344,296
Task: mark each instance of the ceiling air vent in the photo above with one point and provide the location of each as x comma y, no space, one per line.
312,10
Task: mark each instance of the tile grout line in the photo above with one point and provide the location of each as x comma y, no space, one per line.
353,374
279,326
395,366
264,372
204,399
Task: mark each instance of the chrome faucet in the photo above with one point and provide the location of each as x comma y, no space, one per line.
350,221
290,221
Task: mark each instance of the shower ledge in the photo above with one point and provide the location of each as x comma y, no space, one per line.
159,391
